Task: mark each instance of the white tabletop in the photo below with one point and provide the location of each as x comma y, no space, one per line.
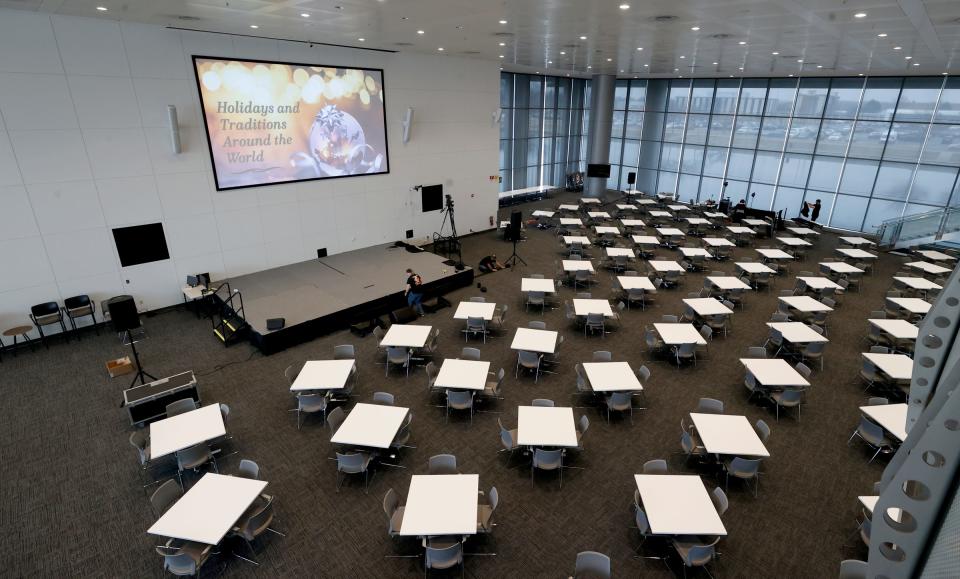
633,223
542,341
323,375
869,502
577,265
209,509
623,251
892,417
475,310
406,336
568,207
936,255
899,329
912,305
658,213
929,267
589,201
805,304
571,221
629,282
718,242
441,504
546,426
707,306
606,230
819,283
856,253
669,231
571,239
697,221
612,377
598,214
727,282
740,230
678,207
185,430
919,283
896,366
856,241
692,251
659,265
802,231
462,374
370,425
583,307
773,372
194,292
529,284
680,333
643,201
793,241
840,267
678,504
797,332
754,222
645,240
774,254
753,267
716,215
542,213
626,207
728,434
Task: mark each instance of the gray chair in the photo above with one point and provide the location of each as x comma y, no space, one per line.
475,325
442,464
248,469
403,434
547,460
310,404
655,466
398,356
537,325
582,425
292,371
669,319
763,430
545,402
140,440
165,496
194,457
642,523
695,553
334,419
470,354
442,553
689,447
394,512
744,469
787,398
529,361
184,558
877,401
508,440
594,322
720,500
813,351
478,299
536,299
872,435
492,389
685,352
619,402
485,511
254,524
344,352
592,565
181,406
384,398
432,372
500,315
460,400
709,406
353,463
756,352
602,356
853,569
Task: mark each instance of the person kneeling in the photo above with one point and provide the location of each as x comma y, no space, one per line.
490,263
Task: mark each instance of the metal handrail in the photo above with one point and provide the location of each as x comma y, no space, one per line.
889,231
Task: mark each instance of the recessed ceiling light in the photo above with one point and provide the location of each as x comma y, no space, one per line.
916,64
440,49
898,48
799,60
583,38
102,8
609,60
503,22
742,42
860,15
716,63
741,68
639,77
646,66
361,40
775,53
695,28
588,66
621,70
624,7
549,62
861,74
676,69
503,44
341,8
731,76
681,56
304,15
639,48
501,56
789,75
562,53
944,73
420,32
538,72
882,35
819,66
254,26
907,57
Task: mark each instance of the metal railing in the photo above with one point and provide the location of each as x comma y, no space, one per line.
919,228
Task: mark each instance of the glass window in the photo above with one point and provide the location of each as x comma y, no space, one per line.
550,92
761,196
563,93
679,96
880,99
943,145
667,182
913,209
745,132
631,152
547,152
506,91
788,200
688,187
701,98
715,162
549,122
933,184
858,176
811,97
634,125
869,139
620,95
616,129
638,95
673,128
624,174
948,111
533,152
692,159
740,164
752,96
616,149
697,129
649,154
657,95
652,126
766,165
772,133
803,135
833,137
536,91
848,212
725,99
794,170
534,118
879,211
844,98
825,173
780,97
720,129
893,181
918,99
905,141
735,191
506,123
614,178
670,157
710,188
646,180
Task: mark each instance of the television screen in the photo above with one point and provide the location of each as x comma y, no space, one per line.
278,122
602,171
141,244
432,197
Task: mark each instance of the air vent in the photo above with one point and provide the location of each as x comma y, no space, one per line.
793,56
664,18
403,44
570,46
184,18
503,34
721,36
471,52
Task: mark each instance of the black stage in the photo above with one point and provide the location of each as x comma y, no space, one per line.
324,295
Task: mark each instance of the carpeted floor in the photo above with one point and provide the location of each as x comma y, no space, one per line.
72,503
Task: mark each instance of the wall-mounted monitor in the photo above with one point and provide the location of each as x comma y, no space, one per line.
602,171
432,197
141,244
278,122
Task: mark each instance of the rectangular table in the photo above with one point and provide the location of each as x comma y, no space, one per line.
589,201
930,268
658,213
475,310
679,333
529,284
182,431
606,230
819,283
541,341
678,208
678,504
935,255
892,417
718,242
918,283
912,305
697,221
645,240
462,374
856,241
571,221
598,215
715,215
805,304
669,232
727,282
753,267
441,504
897,329
625,207
694,251
797,332
793,241
612,377
896,366
209,509
774,254
801,231
406,336
546,426
774,372
620,251
728,434
629,282
323,375
840,267
633,223
572,239
707,307
542,213
856,253
664,266
568,207
572,265
738,230
582,307
754,222
370,425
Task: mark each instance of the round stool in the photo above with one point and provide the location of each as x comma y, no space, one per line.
19,331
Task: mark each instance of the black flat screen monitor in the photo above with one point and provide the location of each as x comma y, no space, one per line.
141,244
602,171
432,197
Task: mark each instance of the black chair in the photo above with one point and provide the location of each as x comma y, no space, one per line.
79,307
47,314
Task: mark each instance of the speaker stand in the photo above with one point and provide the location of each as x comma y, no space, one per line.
514,258
130,340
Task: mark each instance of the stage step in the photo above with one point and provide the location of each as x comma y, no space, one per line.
230,329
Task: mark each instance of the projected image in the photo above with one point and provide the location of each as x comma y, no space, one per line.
274,122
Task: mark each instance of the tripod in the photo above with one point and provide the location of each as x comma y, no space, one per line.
129,339
453,241
514,258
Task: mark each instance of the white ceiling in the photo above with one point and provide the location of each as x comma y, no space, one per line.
825,34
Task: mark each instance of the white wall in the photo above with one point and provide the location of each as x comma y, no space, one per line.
84,148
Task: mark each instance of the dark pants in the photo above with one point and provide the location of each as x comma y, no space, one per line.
413,300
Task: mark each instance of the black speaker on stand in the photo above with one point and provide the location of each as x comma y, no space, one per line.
513,232
631,178
126,322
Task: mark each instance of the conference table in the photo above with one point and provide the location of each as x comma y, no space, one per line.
917,283
856,253
675,334
805,304
898,330
584,307
707,307
467,310
916,307
797,332
370,426
635,282
855,240
530,340
633,223
929,268
576,240
802,231
934,255
818,284
575,265
727,282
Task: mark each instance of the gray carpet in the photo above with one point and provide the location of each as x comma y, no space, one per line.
72,503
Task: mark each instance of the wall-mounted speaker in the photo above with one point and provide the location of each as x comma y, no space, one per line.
405,124
174,126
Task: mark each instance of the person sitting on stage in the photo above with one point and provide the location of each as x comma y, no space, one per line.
414,291
490,263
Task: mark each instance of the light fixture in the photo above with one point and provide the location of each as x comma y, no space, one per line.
860,74
898,48
503,44
583,38
775,53
716,63
944,73
361,40
588,66
440,49
562,53
695,28
420,32
503,22
646,66
624,7
819,66
621,70
501,56
860,15
609,60
304,15
549,62
907,57
789,75
916,64
639,48
799,60
742,42
882,35
254,26
681,56
102,8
